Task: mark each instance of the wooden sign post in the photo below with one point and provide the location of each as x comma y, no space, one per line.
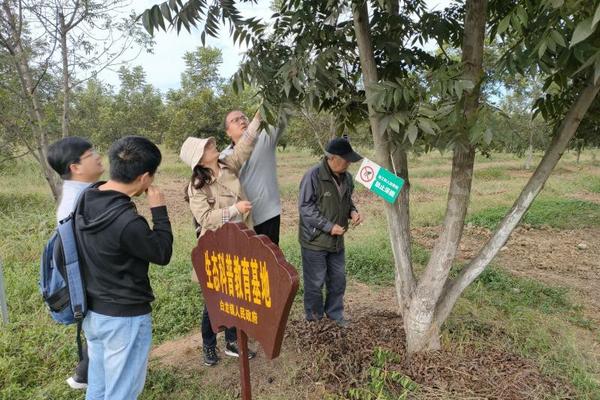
247,284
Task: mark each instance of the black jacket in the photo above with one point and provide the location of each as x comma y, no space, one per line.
322,202
116,246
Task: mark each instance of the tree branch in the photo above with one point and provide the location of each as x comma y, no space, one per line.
434,278
536,182
2,161
397,214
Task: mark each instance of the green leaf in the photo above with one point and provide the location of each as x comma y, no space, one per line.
147,23
522,14
542,49
411,133
426,111
596,16
384,123
157,17
583,30
589,62
394,125
551,44
426,126
557,3
558,38
397,97
503,25
166,12
487,136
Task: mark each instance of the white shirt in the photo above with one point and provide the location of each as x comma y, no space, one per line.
70,194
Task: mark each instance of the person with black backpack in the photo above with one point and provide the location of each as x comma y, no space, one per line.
79,165
116,246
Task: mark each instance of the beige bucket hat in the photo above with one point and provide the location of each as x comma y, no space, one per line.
192,150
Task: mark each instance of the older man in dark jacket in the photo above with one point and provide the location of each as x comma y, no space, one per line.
325,206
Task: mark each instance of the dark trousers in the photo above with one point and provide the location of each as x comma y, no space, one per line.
209,338
270,228
323,268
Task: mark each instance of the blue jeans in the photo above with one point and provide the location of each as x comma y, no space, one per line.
324,268
118,348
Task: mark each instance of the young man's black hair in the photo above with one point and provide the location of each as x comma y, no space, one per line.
65,152
131,157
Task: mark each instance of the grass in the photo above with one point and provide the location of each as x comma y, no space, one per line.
591,183
557,213
491,173
535,320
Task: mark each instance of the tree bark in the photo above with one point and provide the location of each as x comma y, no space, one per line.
63,30
533,187
397,213
421,331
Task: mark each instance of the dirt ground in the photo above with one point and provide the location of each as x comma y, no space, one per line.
559,258
565,258
319,358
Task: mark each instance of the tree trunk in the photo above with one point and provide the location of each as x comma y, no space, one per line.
421,325
533,187
36,116
397,213
529,159
63,30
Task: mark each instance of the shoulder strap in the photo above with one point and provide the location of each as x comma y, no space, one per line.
211,202
79,345
210,198
74,278
209,195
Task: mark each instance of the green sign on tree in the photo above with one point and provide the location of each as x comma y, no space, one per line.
379,180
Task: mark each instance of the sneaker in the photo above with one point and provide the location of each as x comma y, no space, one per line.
210,356
76,382
342,323
232,350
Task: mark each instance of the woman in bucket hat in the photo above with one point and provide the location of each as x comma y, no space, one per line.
216,197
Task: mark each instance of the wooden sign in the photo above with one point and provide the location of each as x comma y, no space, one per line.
246,283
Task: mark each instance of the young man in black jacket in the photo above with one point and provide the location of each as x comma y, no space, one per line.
116,245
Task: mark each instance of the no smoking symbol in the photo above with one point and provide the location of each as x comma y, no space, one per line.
367,173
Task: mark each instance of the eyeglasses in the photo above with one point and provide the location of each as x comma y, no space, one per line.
241,118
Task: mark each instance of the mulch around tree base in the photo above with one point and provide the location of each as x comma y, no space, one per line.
340,358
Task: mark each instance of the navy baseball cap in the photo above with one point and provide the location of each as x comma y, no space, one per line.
341,147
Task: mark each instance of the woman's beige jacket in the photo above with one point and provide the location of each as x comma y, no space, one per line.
225,189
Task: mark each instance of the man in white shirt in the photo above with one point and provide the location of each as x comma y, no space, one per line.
258,176
78,164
